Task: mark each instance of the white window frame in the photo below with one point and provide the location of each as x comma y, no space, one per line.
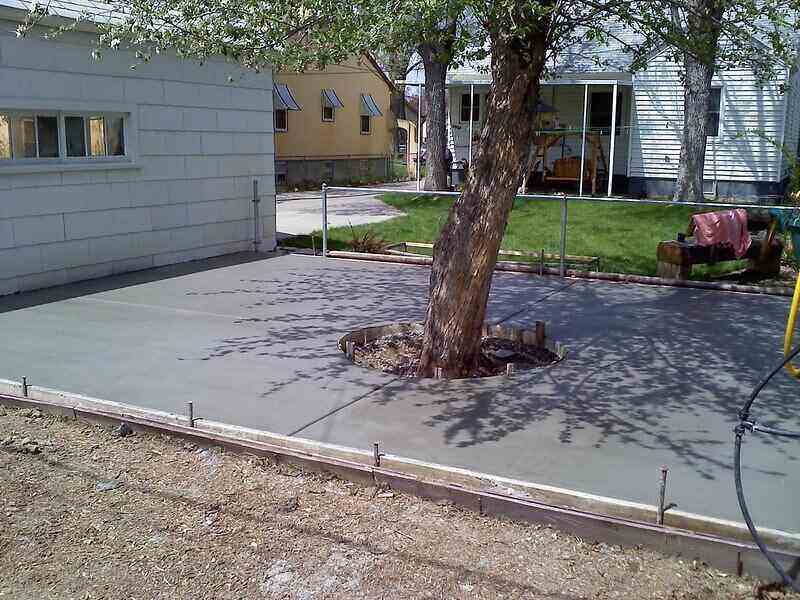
87,136
476,114
720,112
20,108
369,125
275,119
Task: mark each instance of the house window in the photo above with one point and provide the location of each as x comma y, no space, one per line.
366,124
33,136
5,137
600,110
281,119
465,108
75,131
328,114
714,107
281,172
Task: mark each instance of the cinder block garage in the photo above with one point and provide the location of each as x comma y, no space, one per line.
106,168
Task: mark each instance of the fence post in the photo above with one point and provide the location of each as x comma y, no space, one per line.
324,219
256,218
563,263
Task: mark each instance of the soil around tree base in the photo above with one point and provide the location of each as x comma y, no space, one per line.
399,353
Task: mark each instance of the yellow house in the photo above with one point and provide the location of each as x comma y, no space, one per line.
333,125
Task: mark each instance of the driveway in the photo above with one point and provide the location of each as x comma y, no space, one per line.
300,213
654,376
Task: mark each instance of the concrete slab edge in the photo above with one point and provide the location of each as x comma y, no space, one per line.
718,542
521,267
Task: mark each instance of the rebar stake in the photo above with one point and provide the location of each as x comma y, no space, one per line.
25,387
509,368
190,408
376,453
350,349
662,492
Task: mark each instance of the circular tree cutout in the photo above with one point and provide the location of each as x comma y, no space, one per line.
396,349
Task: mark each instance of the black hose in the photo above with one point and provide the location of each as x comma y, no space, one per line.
744,425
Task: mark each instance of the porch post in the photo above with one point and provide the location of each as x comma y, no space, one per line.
583,136
419,136
471,108
613,140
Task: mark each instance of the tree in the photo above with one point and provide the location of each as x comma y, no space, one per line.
705,36
440,33
398,64
523,35
702,24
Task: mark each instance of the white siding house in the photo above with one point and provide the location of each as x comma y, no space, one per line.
105,168
740,162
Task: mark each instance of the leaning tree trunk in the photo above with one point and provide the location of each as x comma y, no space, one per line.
465,254
436,119
698,71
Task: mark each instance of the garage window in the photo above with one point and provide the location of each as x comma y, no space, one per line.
33,136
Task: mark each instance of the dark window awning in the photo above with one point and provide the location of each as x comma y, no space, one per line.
283,98
330,99
369,107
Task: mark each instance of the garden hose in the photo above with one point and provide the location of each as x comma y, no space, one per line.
790,327
747,424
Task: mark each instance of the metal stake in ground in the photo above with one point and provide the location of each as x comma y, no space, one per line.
190,411
324,219
376,453
25,387
563,261
256,218
662,492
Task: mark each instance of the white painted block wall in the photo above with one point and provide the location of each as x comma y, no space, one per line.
200,142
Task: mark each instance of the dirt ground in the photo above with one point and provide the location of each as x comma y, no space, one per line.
86,513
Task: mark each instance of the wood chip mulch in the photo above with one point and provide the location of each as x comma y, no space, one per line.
399,354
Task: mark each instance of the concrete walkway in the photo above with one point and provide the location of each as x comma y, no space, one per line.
300,213
654,375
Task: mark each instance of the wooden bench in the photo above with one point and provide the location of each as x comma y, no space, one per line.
676,257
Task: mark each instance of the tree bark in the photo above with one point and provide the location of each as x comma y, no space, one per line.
465,254
397,64
702,26
435,63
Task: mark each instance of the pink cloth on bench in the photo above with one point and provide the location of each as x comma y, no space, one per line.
723,227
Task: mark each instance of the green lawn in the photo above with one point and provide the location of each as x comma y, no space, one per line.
623,236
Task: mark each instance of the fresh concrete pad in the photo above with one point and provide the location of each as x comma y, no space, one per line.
654,375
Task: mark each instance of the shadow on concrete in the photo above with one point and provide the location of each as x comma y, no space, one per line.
123,280
649,369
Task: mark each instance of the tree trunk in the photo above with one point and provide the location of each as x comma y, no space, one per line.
397,65
436,119
698,66
465,254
